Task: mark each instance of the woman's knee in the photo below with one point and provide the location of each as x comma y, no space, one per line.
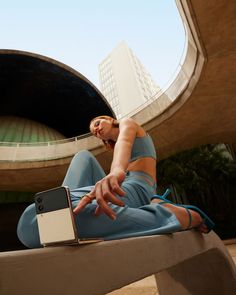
84,154
84,157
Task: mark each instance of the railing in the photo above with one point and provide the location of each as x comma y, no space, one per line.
44,143
48,151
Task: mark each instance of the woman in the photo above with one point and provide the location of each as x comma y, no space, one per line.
123,203
134,156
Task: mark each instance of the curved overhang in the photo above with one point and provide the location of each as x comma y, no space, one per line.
49,92
205,110
203,103
44,90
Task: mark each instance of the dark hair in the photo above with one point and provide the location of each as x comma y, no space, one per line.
109,144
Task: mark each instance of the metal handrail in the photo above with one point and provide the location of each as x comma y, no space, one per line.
44,143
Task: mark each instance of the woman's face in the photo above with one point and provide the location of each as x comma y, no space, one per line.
101,128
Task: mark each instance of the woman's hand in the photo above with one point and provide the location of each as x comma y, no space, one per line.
104,192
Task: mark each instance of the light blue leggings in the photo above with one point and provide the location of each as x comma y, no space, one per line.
137,218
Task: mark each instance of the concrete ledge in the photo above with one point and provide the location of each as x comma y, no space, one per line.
185,263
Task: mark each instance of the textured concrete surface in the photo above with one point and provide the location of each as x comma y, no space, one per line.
148,285
176,260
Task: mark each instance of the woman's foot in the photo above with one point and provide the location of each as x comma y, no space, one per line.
183,217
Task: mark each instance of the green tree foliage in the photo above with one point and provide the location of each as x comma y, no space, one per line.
205,177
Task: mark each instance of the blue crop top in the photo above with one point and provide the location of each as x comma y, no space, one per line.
143,147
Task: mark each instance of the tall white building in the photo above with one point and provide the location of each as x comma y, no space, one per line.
124,81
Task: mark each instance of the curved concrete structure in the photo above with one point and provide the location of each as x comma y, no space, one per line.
46,91
205,112
185,263
46,165
203,94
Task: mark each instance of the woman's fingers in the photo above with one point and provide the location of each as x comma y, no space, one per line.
108,211
102,203
98,211
85,200
111,185
104,208
108,194
105,191
116,188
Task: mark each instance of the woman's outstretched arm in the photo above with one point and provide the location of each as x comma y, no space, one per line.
106,189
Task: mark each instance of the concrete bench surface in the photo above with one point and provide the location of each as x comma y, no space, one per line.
184,263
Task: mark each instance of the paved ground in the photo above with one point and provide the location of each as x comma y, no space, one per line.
148,285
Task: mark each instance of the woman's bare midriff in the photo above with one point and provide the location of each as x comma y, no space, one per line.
147,165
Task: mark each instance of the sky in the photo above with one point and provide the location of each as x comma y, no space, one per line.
81,34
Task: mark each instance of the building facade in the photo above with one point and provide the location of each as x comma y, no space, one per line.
124,81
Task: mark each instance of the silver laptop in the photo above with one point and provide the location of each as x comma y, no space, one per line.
56,219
